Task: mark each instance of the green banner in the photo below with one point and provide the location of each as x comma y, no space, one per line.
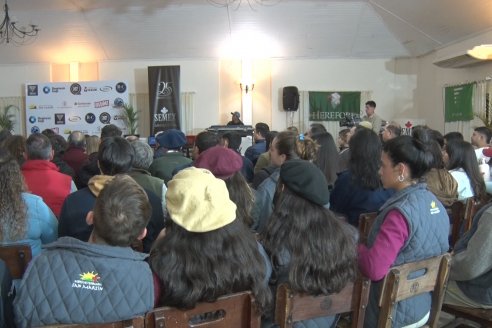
458,103
333,106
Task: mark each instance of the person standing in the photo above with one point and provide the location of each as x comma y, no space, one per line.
372,117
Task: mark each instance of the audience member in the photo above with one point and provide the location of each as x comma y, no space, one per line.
24,217
463,166
232,140
316,128
226,164
327,156
480,139
259,146
59,145
358,189
115,156
452,136
391,131
203,141
190,259
411,226
171,157
92,144
4,134
75,155
99,281
264,167
372,117
326,263
42,176
344,150
16,145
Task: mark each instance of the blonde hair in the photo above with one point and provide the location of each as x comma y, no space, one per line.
92,144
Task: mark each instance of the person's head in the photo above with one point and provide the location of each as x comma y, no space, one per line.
316,128
462,155
144,155
13,213
429,138
115,222
92,144
293,129
481,136
203,141
235,117
110,130
370,108
261,130
115,156
365,154
48,132
404,161
59,144
343,138
226,164
328,261
391,131
76,139
287,145
172,139
203,220
16,146
231,140
269,139
39,147
452,136
327,156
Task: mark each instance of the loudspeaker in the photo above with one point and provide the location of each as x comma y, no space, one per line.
290,99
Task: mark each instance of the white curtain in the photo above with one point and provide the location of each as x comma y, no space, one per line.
480,90
16,106
300,119
187,100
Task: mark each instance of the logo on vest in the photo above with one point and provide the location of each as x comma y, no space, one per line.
88,280
434,208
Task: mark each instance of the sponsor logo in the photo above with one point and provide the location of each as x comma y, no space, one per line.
46,90
102,103
82,104
90,118
32,89
120,87
118,117
106,88
45,106
74,118
118,102
57,89
90,89
67,131
60,118
41,119
32,119
32,106
164,89
105,118
88,280
35,129
434,209
164,116
75,89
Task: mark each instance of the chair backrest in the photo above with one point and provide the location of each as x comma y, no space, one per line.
291,307
456,214
236,310
397,286
17,258
137,322
365,223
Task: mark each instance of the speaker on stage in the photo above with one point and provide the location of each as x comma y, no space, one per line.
290,99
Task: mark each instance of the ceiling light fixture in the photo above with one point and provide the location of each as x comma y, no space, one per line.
237,3
11,33
482,52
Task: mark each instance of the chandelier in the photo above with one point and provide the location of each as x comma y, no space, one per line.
11,33
237,3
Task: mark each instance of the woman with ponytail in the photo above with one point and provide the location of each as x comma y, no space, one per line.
411,226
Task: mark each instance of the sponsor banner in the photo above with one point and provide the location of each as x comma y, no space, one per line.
458,103
83,106
164,97
333,106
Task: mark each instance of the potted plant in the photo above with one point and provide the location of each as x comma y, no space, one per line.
6,122
131,118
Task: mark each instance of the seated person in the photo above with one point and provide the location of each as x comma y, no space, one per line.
471,267
115,156
99,281
259,139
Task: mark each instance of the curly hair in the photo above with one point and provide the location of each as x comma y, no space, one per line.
200,267
322,263
241,195
16,145
13,211
365,158
296,146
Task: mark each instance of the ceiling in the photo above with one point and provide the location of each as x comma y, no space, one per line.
99,30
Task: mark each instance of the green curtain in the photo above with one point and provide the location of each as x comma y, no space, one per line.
458,103
333,106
